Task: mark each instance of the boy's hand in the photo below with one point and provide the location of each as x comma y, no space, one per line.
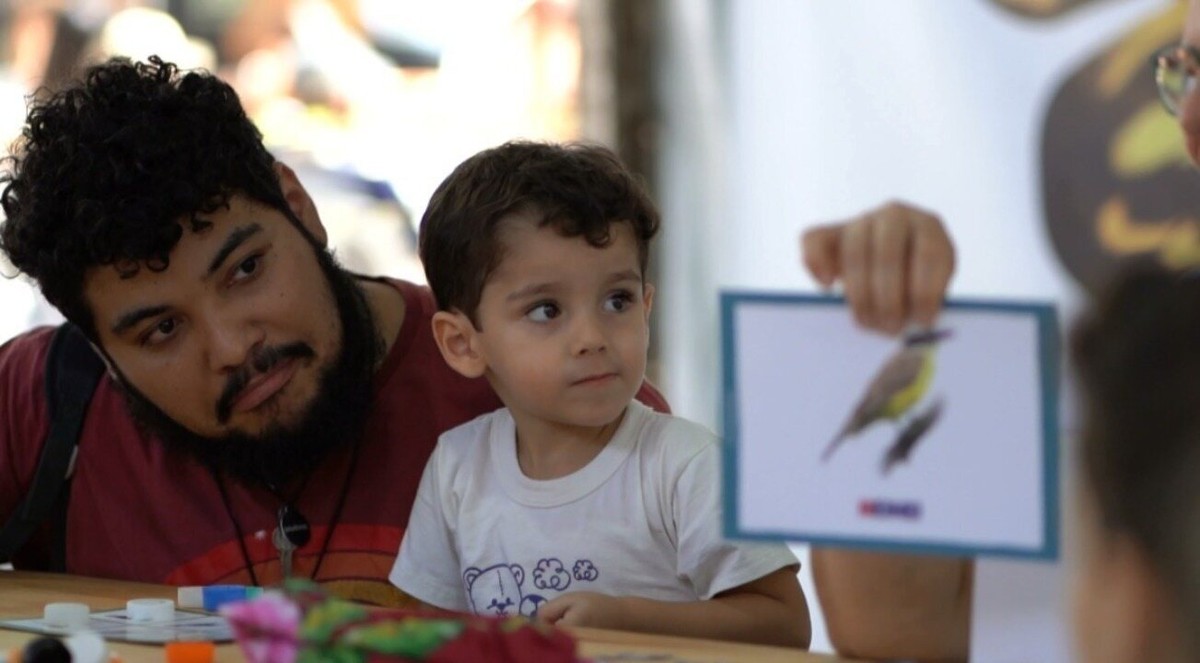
583,609
894,263
770,610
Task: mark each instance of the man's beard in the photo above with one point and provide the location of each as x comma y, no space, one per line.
334,419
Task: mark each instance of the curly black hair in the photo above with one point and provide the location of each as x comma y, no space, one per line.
108,170
578,189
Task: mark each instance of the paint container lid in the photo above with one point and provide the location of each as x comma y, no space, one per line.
66,615
190,597
211,597
190,652
150,610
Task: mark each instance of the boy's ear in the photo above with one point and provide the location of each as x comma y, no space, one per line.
455,336
301,203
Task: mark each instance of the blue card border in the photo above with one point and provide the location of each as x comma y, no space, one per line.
1048,353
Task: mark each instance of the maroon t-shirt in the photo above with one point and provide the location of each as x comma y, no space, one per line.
139,512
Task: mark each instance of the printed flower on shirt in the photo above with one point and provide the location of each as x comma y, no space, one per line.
586,571
551,574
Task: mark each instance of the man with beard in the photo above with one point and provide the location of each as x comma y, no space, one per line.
254,387
150,214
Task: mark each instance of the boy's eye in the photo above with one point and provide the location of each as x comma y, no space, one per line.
544,312
619,301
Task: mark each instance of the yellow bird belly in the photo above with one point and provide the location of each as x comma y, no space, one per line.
908,396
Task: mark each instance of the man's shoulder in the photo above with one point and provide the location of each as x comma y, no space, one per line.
28,345
415,384
418,302
415,295
23,411
23,394
23,362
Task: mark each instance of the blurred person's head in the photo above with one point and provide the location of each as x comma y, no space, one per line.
146,207
1188,111
1137,357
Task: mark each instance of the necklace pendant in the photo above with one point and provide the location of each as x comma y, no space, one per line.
293,526
285,548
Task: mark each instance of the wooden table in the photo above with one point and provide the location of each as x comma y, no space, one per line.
24,594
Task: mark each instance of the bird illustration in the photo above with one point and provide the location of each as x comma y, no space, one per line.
898,385
907,440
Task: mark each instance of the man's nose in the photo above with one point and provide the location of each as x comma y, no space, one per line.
230,341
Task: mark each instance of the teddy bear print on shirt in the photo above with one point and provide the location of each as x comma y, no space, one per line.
497,589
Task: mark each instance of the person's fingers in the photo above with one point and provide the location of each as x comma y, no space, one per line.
890,237
569,618
931,264
551,612
855,259
894,263
820,250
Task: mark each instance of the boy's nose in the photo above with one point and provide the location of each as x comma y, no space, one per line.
588,336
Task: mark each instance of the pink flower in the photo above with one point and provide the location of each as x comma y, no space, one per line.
266,628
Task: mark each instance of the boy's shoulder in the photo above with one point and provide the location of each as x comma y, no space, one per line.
471,437
669,432
652,432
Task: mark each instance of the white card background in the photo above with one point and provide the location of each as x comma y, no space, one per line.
978,474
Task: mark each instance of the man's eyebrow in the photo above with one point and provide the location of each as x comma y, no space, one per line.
235,239
132,318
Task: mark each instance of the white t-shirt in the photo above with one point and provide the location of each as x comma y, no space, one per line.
643,518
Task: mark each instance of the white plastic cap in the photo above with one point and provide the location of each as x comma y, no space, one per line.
86,647
190,597
150,610
66,615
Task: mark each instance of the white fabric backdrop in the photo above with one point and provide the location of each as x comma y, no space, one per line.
782,113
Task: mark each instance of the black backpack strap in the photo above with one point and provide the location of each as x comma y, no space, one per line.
72,372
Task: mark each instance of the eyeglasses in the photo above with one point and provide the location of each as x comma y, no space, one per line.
1175,70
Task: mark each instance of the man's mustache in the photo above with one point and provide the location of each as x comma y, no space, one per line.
262,361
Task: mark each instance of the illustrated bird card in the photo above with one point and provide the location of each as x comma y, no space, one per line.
938,440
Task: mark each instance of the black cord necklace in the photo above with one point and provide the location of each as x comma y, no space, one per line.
289,517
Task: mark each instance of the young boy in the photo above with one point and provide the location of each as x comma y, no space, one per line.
575,503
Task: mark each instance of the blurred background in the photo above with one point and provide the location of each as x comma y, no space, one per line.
1031,126
372,101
